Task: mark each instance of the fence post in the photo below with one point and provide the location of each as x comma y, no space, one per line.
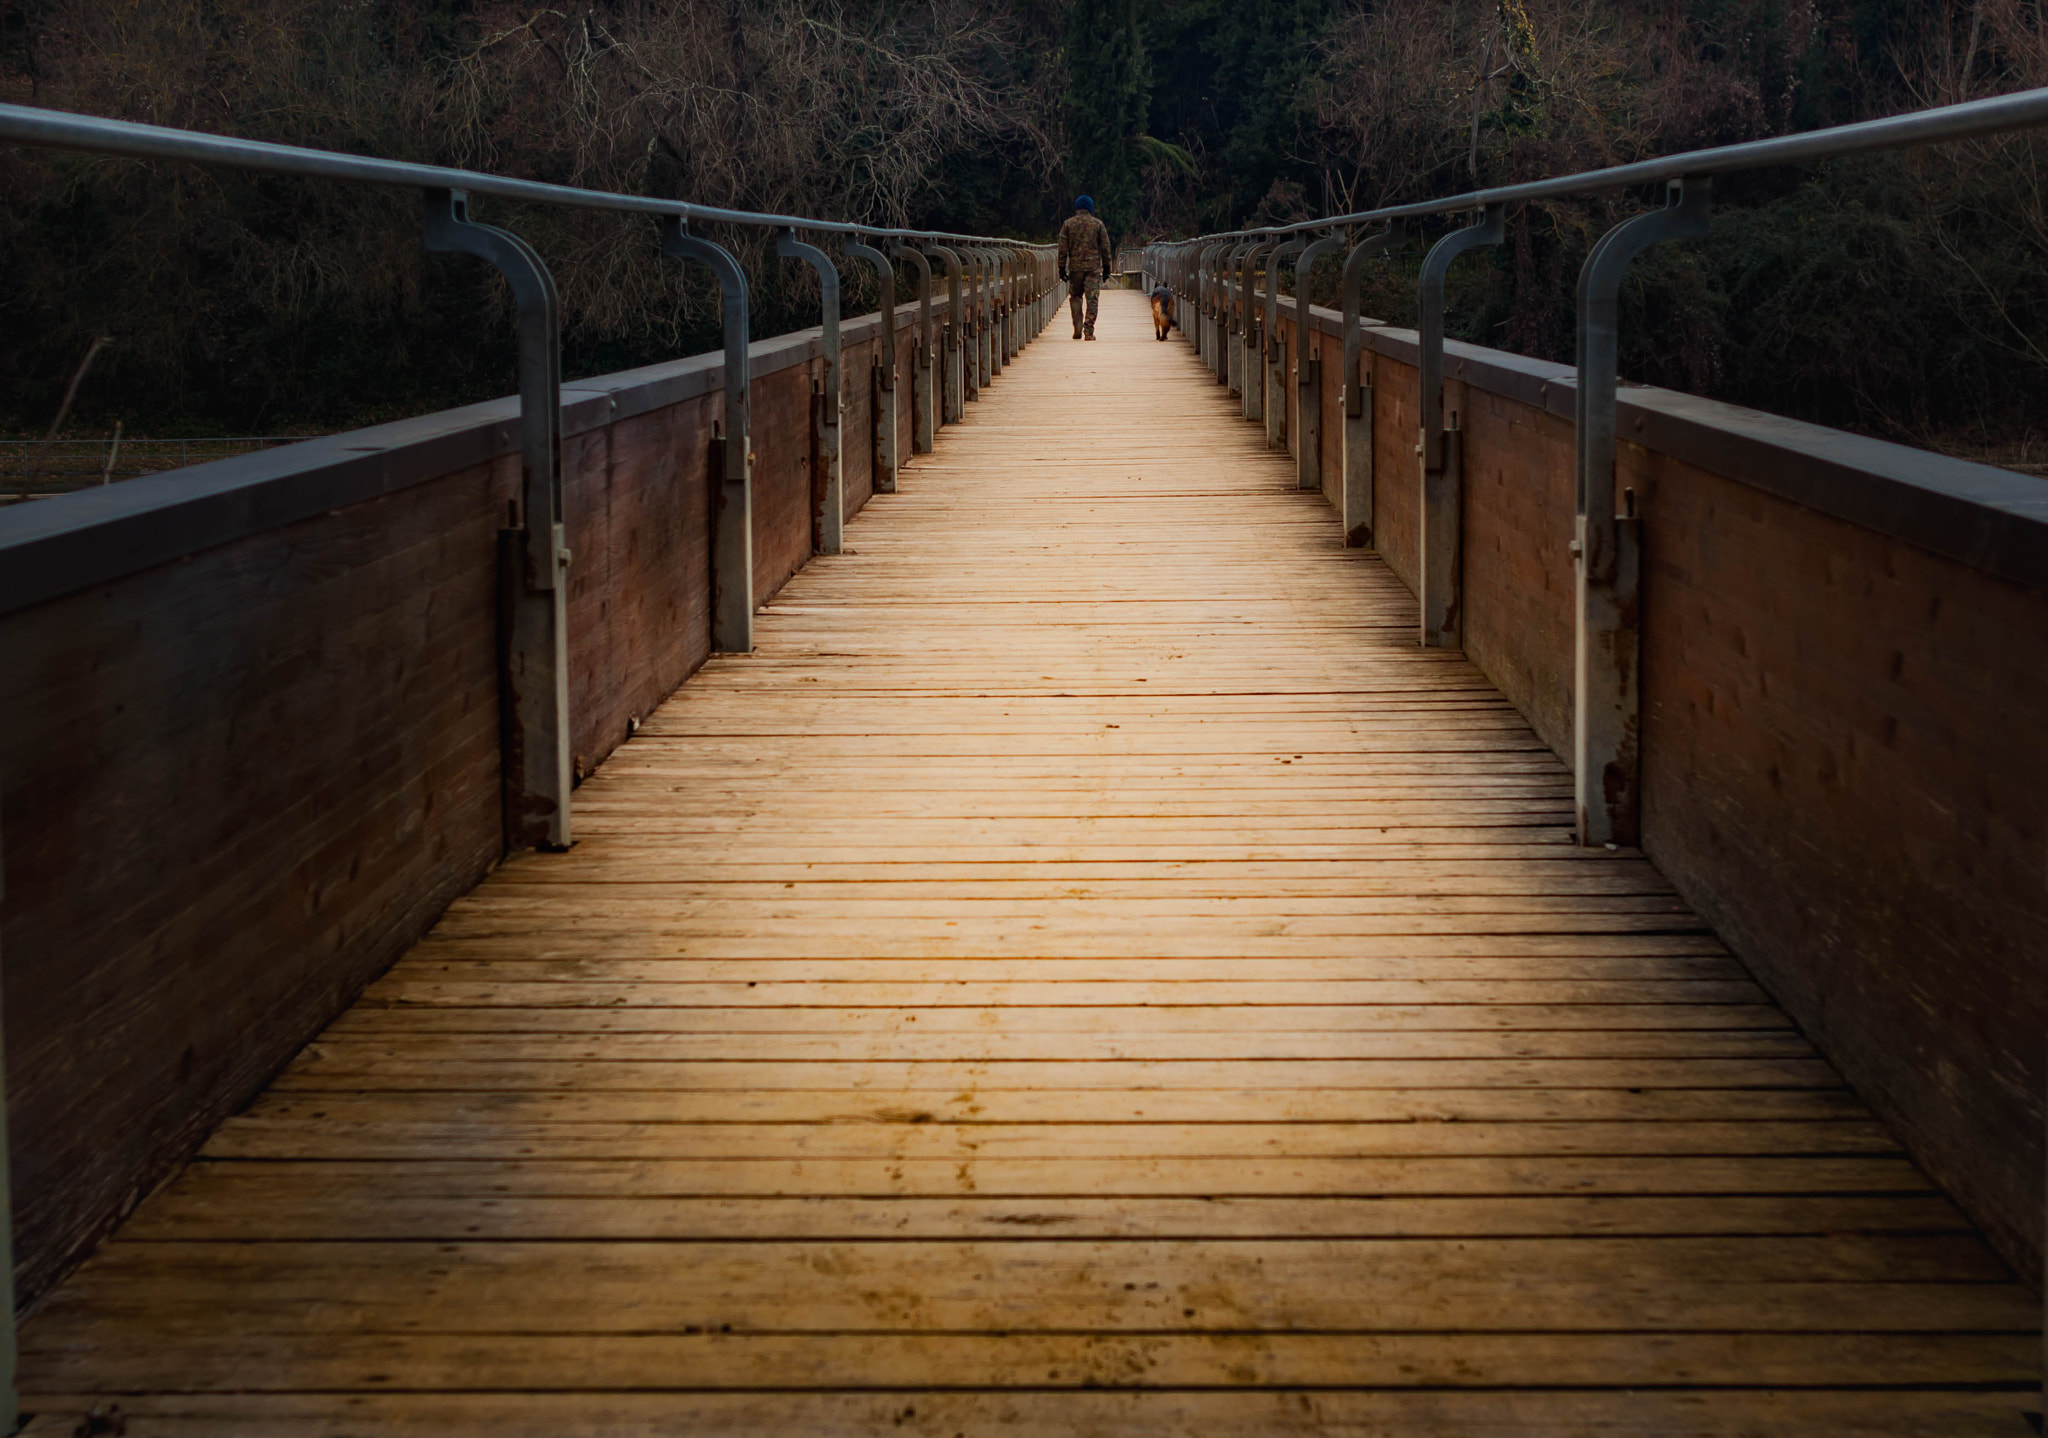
1276,345
882,392
1253,407
533,560
1607,546
985,318
1358,458
953,400
1308,391
732,542
1441,450
1219,312
1249,329
970,333
923,392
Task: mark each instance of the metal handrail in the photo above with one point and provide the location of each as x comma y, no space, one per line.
1607,547
1970,120
63,130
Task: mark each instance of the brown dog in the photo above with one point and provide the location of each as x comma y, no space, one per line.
1162,312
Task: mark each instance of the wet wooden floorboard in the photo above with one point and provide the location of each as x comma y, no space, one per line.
1088,972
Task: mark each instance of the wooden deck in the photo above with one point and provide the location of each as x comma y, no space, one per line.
1089,972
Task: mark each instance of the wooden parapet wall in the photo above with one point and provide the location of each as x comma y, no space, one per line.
1843,703
251,748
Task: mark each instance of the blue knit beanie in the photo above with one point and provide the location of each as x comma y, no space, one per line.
1084,203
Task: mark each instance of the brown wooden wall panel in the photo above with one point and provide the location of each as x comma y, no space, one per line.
783,508
1396,473
1519,581
1843,769
857,425
235,786
637,498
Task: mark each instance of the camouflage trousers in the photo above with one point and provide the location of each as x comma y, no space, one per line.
1090,287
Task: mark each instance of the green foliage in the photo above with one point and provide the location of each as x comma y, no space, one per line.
1237,84
1903,295
1108,99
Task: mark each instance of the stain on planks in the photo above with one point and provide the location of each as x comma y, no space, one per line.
1088,972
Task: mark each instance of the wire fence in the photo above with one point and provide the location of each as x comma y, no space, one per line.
37,468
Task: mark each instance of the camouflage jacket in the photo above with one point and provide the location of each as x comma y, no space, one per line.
1084,246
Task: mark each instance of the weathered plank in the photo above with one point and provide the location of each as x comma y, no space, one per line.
1088,973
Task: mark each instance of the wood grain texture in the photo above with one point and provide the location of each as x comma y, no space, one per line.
1840,762
1087,972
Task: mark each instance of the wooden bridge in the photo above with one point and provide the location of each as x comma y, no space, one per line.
1087,971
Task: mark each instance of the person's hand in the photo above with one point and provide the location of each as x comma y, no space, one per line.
1063,276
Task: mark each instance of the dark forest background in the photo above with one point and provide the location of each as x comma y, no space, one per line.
1902,295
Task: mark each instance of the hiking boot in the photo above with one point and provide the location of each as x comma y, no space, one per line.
1090,335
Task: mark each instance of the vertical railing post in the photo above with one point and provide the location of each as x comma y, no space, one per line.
1238,311
923,388
999,349
1276,345
1357,447
1205,304
882,388
999,310
533,558
985,317
1248,320
828,515
952,371
1308,384
1215,334
1441,446
970,334
1021,269
1607,546
732,541
1253,401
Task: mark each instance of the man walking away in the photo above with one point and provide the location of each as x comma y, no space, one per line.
1084,260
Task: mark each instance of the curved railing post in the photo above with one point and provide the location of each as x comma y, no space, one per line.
1441,559
923,386
1252,403
1276,344
1022,270
1238,288
1246,318
953,371
828,402
1208,302
1216,262
971,332
882,391
1006,346
1357,446
985,317
532,555
732,540
998,309
1608,546
1308,371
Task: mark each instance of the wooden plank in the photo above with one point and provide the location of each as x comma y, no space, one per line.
1087,972
1098,1413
